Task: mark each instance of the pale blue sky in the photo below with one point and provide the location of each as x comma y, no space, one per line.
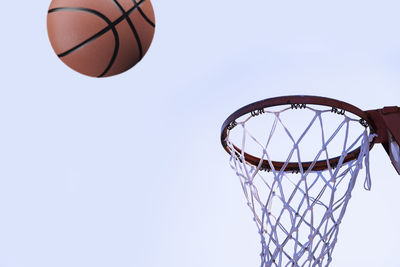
129,171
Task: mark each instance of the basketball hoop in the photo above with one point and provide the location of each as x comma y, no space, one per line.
298,159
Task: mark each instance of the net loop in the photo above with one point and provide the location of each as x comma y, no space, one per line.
298,212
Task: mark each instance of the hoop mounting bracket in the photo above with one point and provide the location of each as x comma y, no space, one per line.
387,126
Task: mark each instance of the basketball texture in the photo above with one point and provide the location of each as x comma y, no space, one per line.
100,38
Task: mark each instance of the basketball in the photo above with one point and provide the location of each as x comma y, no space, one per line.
100,38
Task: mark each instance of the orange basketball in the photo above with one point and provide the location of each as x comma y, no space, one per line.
100,38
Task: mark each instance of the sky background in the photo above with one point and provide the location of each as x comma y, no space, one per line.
129,170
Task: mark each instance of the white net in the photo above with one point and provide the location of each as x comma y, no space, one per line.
298,213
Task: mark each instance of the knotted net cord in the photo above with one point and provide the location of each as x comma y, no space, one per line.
298,214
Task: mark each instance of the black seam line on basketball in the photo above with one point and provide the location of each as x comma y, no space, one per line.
135,33
94,12
144,15
112,27
114,56
103,31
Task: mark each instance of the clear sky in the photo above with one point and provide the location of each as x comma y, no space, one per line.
129,171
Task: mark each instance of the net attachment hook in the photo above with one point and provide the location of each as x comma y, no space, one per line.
232,125
364,123
338,111
298,106
257,112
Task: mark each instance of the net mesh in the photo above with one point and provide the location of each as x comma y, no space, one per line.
298,213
